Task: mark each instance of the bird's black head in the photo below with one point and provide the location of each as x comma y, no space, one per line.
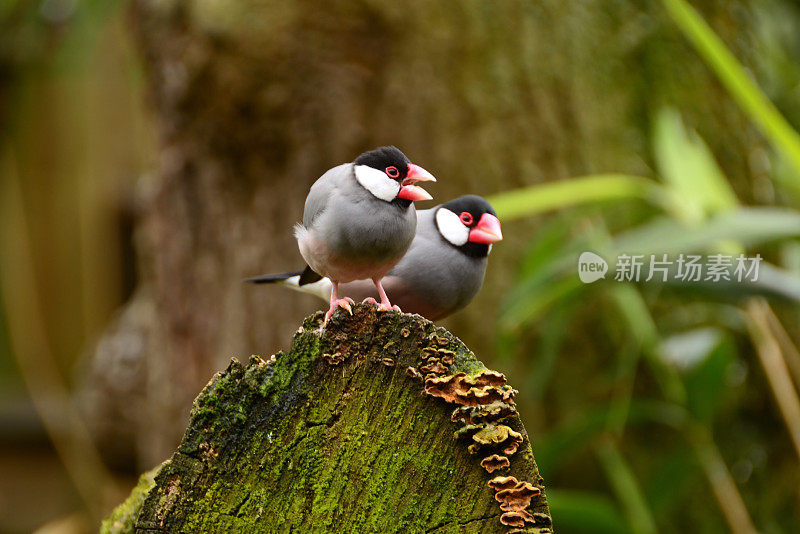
388,175
388,160
470,224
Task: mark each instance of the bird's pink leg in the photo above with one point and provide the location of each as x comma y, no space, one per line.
336,301
385,305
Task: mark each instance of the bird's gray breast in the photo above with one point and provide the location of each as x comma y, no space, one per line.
371,229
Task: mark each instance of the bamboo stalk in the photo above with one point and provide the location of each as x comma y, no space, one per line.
719,478
769,354
790,352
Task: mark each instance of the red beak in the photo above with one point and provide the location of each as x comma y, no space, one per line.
409,191
487,231
417,174
413,192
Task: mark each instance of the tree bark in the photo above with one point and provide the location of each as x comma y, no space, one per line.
344,433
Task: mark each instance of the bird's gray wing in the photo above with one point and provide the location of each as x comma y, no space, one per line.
324,190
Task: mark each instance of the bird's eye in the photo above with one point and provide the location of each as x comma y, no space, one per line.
392,172
466,218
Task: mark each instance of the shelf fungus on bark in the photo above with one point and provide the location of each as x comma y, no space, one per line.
413,372
485,413
495,462
434,366
515,497
485,402
495,436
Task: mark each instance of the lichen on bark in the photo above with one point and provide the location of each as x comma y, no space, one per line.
338,435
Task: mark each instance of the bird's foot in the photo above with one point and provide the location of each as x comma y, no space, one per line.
340,303
382,307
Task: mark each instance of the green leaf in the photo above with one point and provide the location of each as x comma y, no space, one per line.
737,81
626,487
548,281
674,472
705,381
525,309
745,226
773,283
642,326
686,164
574,192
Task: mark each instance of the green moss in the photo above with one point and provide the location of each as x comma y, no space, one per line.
122,519
300,444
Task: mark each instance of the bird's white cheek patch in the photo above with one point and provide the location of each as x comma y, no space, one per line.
377,183
451,227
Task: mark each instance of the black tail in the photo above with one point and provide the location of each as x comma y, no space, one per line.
272,278
307,276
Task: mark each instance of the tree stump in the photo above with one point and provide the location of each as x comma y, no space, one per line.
379,422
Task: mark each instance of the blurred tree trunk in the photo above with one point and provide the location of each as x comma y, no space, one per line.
254,100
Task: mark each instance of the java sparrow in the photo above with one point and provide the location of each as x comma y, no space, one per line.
441,272
359,221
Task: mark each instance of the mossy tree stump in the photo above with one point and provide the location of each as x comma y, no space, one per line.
380,422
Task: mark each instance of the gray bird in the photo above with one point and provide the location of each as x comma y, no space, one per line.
359,221
441,272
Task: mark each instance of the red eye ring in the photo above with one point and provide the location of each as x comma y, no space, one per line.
466,218
392,172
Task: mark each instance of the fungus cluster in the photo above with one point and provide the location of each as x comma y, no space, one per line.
484,401
514,498
484,404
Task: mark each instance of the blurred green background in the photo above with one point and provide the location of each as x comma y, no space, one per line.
151,150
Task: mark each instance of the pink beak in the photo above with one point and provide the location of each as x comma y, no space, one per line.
409,191
487,231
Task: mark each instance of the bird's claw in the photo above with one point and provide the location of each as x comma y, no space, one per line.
340,303
382,307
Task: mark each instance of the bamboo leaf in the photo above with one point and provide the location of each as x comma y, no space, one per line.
737,81
574,192
687,165
626,487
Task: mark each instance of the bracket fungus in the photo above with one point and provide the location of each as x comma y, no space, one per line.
514,495
433,366
499,436
413,372
495,462
484,402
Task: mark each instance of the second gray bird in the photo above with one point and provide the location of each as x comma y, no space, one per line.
441,272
